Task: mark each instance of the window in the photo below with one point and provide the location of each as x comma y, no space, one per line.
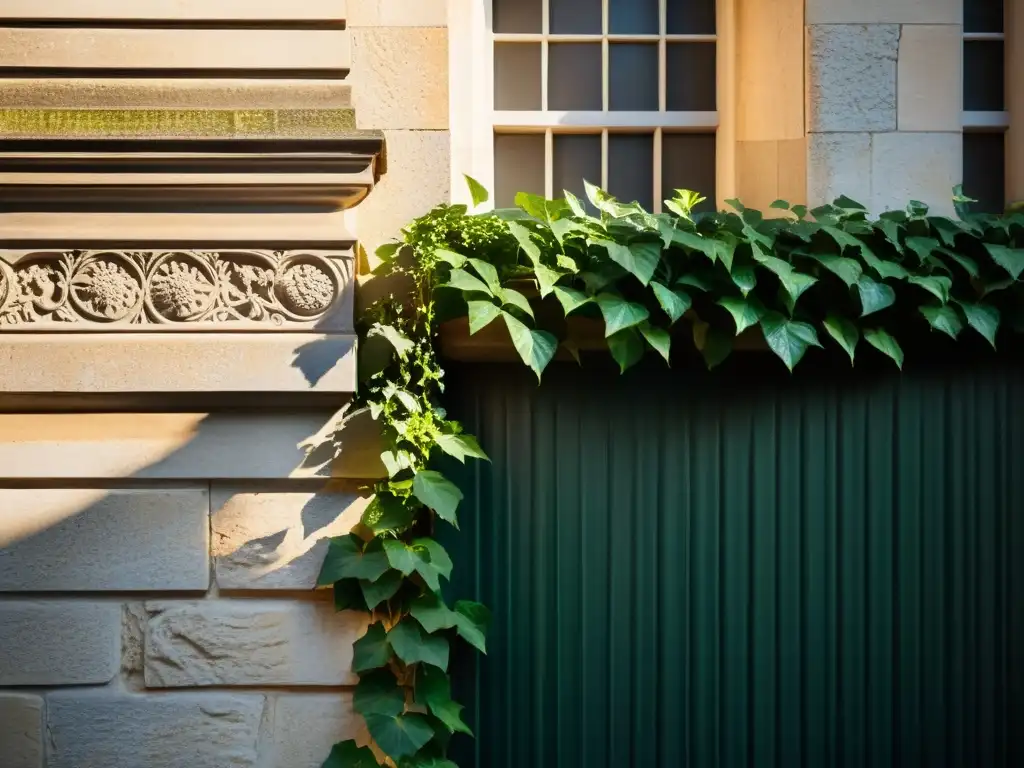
984,98
621,93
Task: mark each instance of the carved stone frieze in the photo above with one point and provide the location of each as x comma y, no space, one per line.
191,290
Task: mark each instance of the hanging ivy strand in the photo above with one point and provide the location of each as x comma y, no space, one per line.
833,275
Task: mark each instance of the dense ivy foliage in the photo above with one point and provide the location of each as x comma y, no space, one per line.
801,279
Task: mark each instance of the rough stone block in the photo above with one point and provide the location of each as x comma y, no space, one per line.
915,166
21,730
59,643
851,78
114,730
74,540
305,727
418,178
397,13
276,540
930,77
228,642
884,11
400,77
838,164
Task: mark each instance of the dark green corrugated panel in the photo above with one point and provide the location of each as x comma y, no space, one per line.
745,569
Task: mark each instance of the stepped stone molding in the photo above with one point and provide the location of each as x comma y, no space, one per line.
97,290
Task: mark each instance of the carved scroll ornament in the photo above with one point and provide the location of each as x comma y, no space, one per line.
168,289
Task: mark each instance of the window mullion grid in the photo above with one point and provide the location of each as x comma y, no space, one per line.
662,101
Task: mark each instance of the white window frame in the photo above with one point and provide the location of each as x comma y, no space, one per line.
976,121
474,122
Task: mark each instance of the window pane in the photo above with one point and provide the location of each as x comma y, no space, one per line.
688,162
576,158
983,76
690,78
983,15
574,77
518,167
522,16
575,17
633,17
631,168
985,171
517,76
691,17
633,77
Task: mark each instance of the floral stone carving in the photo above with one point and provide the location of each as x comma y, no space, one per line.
169,289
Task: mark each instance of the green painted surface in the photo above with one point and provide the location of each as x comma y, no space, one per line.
745,569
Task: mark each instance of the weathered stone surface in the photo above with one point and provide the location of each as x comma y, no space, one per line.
243,642
397,13
851,78
133,638
884,11
418,178
930,77
304,728
916,166
75,540
838,164
400,77
113,730
59,643
276,540
21,730
176,10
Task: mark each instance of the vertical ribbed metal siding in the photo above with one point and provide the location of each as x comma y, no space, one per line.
745,570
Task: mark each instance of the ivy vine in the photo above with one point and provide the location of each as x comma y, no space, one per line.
798,280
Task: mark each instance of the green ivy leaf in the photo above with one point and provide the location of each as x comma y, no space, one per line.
457,260
745,312
472,621
780,204
744,278
460,447
639,259
847,204
844,332
438,493
923,247
891,230
348,754
658,338
884,269
435,564
482,314
349,597
570,298
794,284
402,557
434,689
372,650
513,298
627,348
477,191
488,273
715,344
1010,259
400,736
675,303
799,210
885,343
620,314
384,588
788,339
694,280
874,296
378,693
399,341
944,319
847,270
347,558
396,461
387,513
431,612
462,280
969,265
536,348
575,204
412,645
984,318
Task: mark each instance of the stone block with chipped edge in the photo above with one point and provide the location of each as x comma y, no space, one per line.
276,540
176,10
930,90
261,445
21,730
400,78
838,164
851,77
59,642
250,642
915,166
398,13
119,730
84,540
884,11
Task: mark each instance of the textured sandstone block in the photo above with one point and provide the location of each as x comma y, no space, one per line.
21,731
851,78
918,166
400,77
838,164
242,642
397,13
930,77
305,727
276,540
176,10
104,540
113,730
59,643
884,11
